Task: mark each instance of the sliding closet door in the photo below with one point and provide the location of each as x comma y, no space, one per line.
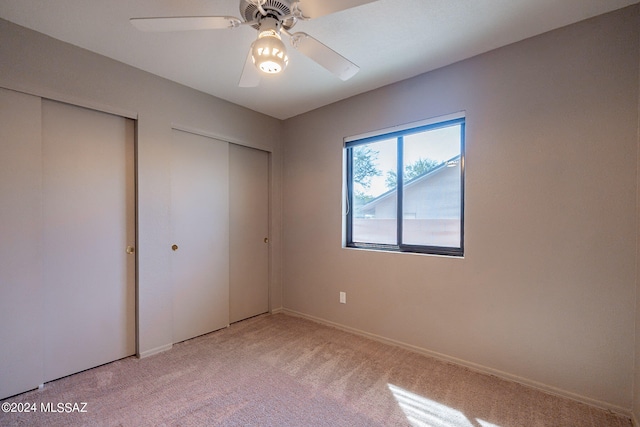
89,220
20,245
200,230
249,225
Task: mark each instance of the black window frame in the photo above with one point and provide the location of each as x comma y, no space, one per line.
399,135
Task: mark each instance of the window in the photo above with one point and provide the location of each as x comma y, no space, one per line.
405,188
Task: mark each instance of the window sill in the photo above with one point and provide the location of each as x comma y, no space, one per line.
418,250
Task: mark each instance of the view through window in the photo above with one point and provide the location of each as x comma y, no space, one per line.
405,189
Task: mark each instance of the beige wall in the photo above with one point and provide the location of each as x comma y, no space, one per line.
546,291
38,64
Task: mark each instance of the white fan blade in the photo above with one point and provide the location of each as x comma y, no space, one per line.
185,23
315,8
323,55
250,75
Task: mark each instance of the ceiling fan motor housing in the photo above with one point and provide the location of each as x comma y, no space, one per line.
277,9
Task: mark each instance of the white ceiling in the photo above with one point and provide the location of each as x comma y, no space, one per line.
390,40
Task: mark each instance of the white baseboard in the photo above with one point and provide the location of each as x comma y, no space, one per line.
155,351
634,420
472,366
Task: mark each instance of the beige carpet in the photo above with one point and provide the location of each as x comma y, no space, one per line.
278,370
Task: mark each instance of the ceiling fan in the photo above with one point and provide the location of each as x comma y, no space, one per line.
271,18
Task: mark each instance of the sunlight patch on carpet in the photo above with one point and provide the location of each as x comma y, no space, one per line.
485,423
423,412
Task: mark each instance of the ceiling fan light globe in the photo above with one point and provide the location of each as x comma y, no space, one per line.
269,53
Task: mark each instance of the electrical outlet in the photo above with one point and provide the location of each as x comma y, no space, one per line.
343,297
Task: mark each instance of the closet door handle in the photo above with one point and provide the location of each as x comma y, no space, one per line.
130,250
174,247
